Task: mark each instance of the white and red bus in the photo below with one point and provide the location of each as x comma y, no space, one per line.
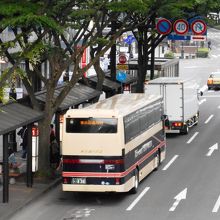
112,145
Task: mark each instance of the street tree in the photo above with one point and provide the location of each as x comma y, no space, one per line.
58,33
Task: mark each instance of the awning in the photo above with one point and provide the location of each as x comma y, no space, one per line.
14,115
77,95
108,85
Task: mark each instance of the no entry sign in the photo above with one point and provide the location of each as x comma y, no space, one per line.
164,26
122,59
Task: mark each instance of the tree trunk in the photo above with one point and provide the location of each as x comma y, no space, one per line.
100,75
44,147
44,140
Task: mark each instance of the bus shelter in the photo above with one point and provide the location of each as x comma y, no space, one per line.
12,116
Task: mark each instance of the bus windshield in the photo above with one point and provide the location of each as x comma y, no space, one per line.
91,125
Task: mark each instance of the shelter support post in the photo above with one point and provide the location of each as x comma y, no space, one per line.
5,169
29,179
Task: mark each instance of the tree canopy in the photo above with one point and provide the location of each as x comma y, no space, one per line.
56,34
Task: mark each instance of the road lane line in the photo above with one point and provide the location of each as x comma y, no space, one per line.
192,138
209,118
137,199
217,205
203,100
203,89
171,161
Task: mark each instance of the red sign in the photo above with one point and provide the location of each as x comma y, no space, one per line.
122,59
181,26
198,27
35,131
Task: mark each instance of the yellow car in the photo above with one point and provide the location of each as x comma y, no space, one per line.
213,81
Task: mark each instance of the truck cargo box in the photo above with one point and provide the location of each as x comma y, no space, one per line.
181,105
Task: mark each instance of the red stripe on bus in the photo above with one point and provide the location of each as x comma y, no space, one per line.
113,175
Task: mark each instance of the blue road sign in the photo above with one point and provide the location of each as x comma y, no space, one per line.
178,37
164,26
121,76
129,39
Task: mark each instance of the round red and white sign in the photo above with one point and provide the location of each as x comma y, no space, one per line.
181,26
122,59
198,27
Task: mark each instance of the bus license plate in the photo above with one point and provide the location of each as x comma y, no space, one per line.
78,180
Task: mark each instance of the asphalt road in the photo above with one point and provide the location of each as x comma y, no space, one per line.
185,187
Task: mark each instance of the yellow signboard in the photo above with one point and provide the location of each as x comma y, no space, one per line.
122,66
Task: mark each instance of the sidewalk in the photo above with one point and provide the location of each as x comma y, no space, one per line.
20,195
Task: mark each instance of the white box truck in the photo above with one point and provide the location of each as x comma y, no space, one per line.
181,106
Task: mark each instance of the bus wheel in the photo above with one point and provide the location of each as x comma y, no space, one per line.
134,190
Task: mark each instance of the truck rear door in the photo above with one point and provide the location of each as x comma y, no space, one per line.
173,101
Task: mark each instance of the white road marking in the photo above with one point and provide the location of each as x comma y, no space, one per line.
203,89
201,101
192,138
212,149
171,161
178,198
208,119
219,106
217,205
137,199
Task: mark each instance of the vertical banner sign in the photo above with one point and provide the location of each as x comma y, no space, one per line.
83,61
164,26
35,144
61,127
181,26
198,27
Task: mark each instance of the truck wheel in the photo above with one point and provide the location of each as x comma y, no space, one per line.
134,190
185,129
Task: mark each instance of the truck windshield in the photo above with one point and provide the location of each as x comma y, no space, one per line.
91,125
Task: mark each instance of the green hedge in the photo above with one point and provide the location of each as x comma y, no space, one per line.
169,54
202,52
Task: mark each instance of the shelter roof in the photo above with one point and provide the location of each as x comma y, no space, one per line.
77,95
14,115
